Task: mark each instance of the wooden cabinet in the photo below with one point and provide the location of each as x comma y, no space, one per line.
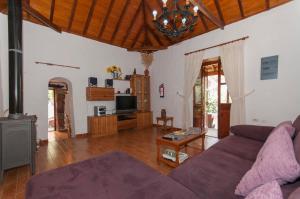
102,125
127,124
100,94
144,120
140,85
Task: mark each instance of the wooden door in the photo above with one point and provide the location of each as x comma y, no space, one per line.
224,120
224,104
59,98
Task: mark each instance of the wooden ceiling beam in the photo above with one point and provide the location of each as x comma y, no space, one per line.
203,21
89,18
38,16
120,20
268,4
74,6
52,10
220,13
241,8
208,14
146,36
156,37
131,24
108,12
137,36
159,3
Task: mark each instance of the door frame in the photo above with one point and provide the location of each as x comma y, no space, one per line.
219,73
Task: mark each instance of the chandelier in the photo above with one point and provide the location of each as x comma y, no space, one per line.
176,21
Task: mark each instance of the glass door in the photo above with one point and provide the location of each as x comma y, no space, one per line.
211,107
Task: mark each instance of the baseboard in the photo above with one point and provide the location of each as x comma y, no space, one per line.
42,142
82,135
167,127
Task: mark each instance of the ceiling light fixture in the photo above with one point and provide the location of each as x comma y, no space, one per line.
176,21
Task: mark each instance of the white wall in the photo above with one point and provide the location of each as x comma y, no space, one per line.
275,32
43,44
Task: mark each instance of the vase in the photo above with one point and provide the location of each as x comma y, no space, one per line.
115,75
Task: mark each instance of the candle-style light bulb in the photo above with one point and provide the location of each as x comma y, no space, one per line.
183,21
154,14
164,3
165,22
196,10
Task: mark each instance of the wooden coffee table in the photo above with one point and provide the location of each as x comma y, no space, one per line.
177,145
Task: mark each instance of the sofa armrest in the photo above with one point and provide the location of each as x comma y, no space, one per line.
295,194
254,132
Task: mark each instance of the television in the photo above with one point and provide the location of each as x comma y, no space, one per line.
126,104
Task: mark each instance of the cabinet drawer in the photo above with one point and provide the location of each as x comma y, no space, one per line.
126,124
99,94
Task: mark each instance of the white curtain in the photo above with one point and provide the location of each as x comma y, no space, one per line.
192,68
232,58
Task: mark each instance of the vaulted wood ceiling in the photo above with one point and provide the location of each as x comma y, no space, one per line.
128,23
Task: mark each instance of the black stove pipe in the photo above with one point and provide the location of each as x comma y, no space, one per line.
15,58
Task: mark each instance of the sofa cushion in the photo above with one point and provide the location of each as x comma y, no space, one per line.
242,147
270,190
114,176
212,174
296,124
259,133
275,161
295,194
289,188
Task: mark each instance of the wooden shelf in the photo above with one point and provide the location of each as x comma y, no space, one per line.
100,94
121,80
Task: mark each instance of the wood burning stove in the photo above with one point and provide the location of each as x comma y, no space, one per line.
17,131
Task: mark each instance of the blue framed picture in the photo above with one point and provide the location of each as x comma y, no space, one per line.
269,68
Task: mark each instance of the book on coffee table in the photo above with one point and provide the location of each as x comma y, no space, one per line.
179,135
170,154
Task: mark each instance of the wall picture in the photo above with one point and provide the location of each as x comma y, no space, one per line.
269,68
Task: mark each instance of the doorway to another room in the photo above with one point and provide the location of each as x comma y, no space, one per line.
60,112
211,108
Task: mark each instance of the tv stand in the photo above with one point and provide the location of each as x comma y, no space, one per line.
111,124
127,120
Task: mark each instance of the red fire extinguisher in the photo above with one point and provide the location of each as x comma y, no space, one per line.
162,91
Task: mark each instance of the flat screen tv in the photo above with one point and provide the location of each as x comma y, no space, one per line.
126,104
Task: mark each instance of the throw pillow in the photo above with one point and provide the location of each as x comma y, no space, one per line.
275,161
270,190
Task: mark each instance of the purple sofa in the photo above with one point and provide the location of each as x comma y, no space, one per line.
213,174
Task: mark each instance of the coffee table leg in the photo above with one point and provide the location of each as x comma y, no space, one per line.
158,152
177,149
203,140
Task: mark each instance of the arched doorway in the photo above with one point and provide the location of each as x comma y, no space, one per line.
60,109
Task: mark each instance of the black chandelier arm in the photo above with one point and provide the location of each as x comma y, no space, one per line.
179,20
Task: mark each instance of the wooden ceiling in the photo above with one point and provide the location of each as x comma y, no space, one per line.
128,23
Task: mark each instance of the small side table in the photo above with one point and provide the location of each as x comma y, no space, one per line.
165,120
177,146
